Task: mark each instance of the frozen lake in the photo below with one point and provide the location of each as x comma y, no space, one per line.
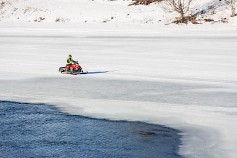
125,90
184,81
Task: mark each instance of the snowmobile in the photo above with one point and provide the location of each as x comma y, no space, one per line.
73,69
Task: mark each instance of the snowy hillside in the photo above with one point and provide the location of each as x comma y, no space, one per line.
80,11
101,11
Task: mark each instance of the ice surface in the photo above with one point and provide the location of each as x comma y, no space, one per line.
187,82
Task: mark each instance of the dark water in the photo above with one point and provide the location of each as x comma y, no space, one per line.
38,130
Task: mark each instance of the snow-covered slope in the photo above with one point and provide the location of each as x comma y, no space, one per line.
80,11
101,11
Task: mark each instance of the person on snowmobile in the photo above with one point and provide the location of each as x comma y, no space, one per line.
70,61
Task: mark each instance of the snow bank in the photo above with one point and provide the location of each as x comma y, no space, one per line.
109,12
79,11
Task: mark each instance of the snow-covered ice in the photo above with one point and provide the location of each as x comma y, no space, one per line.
184,81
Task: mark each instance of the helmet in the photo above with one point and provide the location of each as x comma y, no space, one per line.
70,55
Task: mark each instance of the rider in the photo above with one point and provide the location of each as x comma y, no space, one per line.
70,61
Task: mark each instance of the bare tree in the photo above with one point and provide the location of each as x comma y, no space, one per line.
179,6
231,3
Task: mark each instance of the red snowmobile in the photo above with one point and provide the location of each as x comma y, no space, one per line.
74,69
